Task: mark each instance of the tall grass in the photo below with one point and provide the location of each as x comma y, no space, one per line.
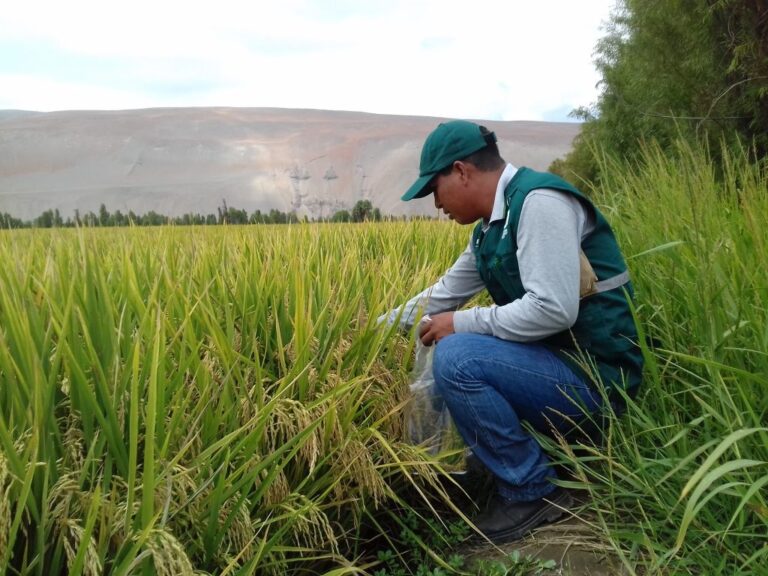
196,400
680,483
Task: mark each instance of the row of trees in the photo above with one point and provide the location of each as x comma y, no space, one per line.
362,211
696,69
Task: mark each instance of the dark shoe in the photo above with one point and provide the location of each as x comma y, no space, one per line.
474,478
469,488
506,521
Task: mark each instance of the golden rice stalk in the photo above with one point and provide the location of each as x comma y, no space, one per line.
310,526
239,538
343,346
181,498
168,555
5,504
252,399
66,500
187,503
354,466
390,395
237,342
73,442
329,384
115,510
278,489
72,538
289,418
213,366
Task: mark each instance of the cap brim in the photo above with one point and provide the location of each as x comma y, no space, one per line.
418,189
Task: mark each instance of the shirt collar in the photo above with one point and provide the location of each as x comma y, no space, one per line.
499,205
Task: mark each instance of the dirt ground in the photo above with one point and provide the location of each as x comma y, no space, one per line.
569,543
572,543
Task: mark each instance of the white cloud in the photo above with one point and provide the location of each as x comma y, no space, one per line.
485,59
37,93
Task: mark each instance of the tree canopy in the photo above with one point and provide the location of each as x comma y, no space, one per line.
696,69
363,210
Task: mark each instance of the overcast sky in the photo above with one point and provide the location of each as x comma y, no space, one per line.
475,59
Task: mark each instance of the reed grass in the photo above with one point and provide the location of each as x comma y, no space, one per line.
679,483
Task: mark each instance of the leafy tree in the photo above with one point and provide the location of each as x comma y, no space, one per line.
235,216
277,217
103,215
152,218
742,28
341,216
363,210
8,221
45,220
696,69
90,219
222,211
257,217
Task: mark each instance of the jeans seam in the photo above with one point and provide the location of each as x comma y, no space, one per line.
566,389
482,431
487,440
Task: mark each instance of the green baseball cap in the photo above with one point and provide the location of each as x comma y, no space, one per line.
449,142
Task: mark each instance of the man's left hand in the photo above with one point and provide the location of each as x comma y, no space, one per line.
439,326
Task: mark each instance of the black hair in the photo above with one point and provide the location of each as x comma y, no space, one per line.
486,159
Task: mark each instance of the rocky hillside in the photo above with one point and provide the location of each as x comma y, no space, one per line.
182,160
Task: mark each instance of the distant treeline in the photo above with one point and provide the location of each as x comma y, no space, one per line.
362,211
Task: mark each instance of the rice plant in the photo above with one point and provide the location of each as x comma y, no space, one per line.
191,400
185,400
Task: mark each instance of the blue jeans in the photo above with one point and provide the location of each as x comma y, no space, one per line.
491,385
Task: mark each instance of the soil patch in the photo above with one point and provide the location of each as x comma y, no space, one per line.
572,543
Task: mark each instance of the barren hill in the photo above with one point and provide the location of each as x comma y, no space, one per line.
178,160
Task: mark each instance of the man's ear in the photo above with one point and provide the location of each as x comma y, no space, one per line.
464,169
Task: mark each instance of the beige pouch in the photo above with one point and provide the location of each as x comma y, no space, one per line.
587,277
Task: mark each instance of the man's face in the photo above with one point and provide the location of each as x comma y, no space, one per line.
451,196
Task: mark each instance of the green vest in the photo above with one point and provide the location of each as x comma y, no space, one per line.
604,338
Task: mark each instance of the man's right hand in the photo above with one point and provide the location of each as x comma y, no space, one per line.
436,327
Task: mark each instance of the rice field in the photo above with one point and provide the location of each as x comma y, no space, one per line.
220,400
203,400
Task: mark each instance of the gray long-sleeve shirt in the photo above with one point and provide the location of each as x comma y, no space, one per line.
551,227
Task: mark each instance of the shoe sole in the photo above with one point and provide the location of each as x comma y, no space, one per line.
556,508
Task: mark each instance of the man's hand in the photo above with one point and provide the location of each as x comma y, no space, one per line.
439,326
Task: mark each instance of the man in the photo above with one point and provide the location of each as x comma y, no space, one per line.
561,329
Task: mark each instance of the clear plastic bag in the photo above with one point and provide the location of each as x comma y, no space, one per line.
429,422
